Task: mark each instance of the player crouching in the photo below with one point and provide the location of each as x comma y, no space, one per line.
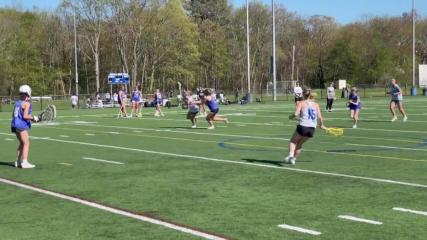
310,116
21,124
213,107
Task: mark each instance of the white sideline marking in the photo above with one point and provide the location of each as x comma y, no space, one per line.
351,218
64,136
115,211
410,211
9,139
299,229
137,131
387,147
114,133
66,164
89,134
381,180
101,160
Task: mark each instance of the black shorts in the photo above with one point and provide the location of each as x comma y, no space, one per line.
298,99
215,111
305,131
191,115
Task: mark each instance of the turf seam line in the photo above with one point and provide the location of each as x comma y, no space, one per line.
118,211
381,180
299,229
101,160
410,211
357,219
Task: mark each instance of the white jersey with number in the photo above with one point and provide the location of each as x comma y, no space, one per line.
74,100
308,116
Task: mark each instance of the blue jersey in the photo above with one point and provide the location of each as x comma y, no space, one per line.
396,93
136,96
18,120
354,101
212,105
158,98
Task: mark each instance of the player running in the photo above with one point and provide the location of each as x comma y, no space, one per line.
121,99
158,102
354,105
310,117
213,107
396,99
298,93
136,100
21,124
193,109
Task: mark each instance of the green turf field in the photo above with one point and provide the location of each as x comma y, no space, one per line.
229,182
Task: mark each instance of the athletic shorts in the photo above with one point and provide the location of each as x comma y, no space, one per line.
215,110
191,114
18,130
305,131
298,99
354,107
396,101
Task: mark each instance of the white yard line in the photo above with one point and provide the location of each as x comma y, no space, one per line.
351,218
115,210
299,229
66,164
64,136
101,160
410,211
116,133
387,147
185,132
9,139
89,134
380,180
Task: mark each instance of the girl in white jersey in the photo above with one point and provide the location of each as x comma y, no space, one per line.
310,117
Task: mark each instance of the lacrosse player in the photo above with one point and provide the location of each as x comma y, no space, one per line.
21,124
309,115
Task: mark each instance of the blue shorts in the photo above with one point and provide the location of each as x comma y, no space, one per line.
215,110
18,130
354,106
396,101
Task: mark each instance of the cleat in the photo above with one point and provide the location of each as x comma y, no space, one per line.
211,127
354,126
394,119
26,164
226,120
405,118
290,160
194,126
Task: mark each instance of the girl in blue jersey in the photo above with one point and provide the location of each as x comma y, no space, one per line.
354,105
136,99
310,117
396,100
122,101
158,101
213,107
21,124
193,108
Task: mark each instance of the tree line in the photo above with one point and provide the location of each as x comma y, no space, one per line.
199,43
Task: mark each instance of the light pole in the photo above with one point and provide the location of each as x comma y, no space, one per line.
248,52
414,88
274,50
75,57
